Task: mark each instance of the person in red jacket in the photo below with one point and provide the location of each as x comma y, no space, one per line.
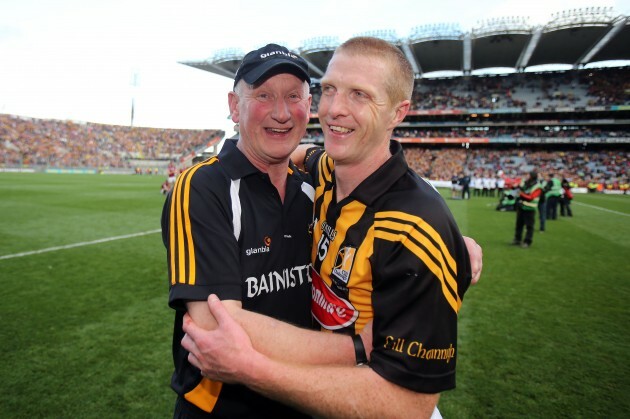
565,200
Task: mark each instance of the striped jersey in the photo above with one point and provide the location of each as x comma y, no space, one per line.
390,252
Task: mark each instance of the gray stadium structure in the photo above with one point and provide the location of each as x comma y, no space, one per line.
575,37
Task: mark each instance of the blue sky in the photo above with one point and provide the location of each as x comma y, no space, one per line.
75,59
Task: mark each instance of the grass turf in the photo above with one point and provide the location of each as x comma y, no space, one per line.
86,331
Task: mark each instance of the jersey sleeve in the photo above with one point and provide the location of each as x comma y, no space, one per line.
421,271
311,160
202,251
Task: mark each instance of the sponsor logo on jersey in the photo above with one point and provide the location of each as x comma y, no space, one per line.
329,230
343,264
261,249
330,310
256,250
276,281
417,349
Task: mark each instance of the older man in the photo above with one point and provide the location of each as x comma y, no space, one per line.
237,226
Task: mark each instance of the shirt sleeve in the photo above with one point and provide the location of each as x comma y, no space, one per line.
202,251
311,159
420,275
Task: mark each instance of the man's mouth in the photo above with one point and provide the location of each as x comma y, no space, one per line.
340,130
279,130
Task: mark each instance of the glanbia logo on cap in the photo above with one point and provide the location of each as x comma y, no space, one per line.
330,310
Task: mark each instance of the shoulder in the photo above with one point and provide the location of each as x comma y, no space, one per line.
313,157
416,197
207,174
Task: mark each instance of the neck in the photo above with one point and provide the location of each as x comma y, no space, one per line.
349,176
277,171
278,176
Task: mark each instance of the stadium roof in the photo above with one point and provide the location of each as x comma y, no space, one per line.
574,37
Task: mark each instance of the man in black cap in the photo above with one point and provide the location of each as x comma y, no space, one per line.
236,225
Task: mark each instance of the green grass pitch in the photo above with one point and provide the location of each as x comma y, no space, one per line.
86,331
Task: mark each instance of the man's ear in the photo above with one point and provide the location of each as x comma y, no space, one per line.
400,112
233,104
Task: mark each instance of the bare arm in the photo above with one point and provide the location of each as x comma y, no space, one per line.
329,391
277,339
476,258
299,154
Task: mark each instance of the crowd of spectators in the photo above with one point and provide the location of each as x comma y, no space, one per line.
54,143
60,144
594,87
601,87
609,167
514,132
558,89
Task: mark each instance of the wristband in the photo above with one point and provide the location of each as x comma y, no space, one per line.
359,350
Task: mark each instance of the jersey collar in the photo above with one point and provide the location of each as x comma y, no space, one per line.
236,164
384,177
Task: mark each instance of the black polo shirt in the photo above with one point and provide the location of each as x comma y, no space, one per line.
228,233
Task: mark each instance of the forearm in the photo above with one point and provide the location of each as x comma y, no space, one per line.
335,391
282,341
299,154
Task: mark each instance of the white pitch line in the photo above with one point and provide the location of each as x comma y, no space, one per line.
70,246
602,209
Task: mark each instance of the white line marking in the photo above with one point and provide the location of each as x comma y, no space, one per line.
70,246
602,209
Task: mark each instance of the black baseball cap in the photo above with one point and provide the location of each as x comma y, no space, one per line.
268,61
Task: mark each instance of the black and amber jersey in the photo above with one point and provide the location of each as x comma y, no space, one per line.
390,252
227,232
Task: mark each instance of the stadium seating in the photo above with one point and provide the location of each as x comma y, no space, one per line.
575,123
67,144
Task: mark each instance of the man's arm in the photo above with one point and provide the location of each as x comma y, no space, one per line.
475,253
299,154
280,340
277,339
329,391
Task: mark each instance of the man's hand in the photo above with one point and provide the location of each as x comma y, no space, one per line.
221,354
476,258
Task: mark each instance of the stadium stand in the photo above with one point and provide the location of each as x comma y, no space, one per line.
484,92
45,143
466,117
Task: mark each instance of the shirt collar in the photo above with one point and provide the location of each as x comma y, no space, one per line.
237,166
384,177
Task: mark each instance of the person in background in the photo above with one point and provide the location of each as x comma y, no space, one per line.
526,210
507,201
500,184
465,182
566,198
552,197
542,203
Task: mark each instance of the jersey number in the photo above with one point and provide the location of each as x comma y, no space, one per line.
322,247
